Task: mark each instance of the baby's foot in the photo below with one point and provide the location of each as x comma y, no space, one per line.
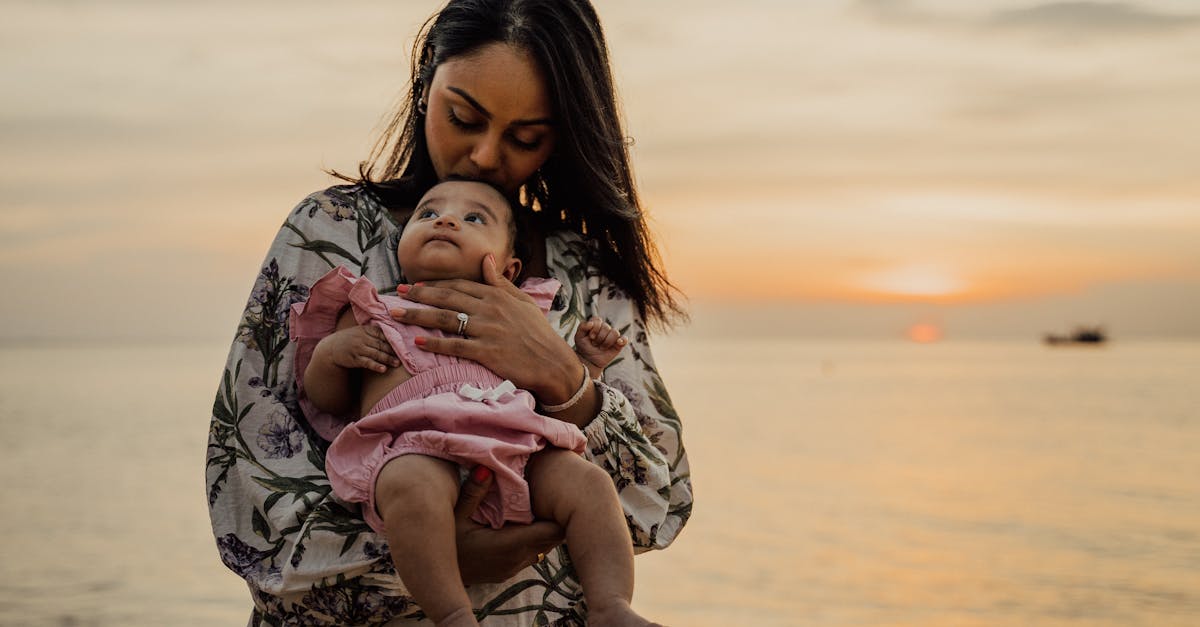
598,344
618,614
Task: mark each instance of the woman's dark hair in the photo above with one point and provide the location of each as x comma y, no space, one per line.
586,185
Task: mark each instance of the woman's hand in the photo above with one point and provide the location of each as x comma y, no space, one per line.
506,332
487,555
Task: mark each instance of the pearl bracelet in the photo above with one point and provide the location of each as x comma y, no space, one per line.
575,398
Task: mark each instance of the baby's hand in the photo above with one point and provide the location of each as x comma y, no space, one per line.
597,344
358,347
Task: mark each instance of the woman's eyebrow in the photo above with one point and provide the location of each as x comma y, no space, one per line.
488,114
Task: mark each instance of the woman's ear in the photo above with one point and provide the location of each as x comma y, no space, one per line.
423,101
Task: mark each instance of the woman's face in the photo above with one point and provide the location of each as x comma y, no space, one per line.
489,117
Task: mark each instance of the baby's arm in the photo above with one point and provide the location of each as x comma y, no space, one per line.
597,344
331,379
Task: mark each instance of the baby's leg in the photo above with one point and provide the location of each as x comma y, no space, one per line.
415,495
581,497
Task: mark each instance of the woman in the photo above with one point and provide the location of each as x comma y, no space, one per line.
518,93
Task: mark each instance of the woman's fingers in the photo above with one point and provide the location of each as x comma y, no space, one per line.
452,293
534,539
487,555
453,346
429,292
492,555
493,277
446,301
505,331
472,492
443,319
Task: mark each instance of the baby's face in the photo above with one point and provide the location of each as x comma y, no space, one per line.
455,225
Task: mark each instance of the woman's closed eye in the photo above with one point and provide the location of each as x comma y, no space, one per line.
470,125
528,144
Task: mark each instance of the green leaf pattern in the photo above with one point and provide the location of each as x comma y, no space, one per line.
309,559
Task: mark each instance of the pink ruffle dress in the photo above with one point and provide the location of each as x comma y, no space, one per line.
451,408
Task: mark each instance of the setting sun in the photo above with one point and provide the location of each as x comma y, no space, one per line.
924,333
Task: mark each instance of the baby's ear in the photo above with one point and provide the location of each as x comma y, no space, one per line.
512,269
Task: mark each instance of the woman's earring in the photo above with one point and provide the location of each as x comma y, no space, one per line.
422,107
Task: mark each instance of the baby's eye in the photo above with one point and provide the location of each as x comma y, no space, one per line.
475,217
426,213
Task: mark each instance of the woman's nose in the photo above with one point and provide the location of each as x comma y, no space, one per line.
486,154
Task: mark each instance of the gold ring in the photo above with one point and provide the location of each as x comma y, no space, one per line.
541,558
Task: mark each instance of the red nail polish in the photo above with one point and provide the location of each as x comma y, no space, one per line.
419,341
402,288
481,474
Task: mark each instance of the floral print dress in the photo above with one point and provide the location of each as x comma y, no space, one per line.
310,559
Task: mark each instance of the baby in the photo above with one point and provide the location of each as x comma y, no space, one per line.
439,413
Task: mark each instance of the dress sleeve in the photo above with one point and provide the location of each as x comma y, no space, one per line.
307,558
637,436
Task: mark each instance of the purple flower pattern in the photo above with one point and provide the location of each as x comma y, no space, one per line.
280,436
238,556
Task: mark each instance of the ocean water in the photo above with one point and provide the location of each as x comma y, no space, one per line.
837,483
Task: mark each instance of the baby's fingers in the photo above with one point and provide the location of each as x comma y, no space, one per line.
378,341
610,337
594,327
600,332
372,358
376,347
370,363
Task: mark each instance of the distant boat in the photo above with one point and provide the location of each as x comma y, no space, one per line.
1081,335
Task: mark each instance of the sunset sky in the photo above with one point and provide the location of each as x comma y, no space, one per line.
841,168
